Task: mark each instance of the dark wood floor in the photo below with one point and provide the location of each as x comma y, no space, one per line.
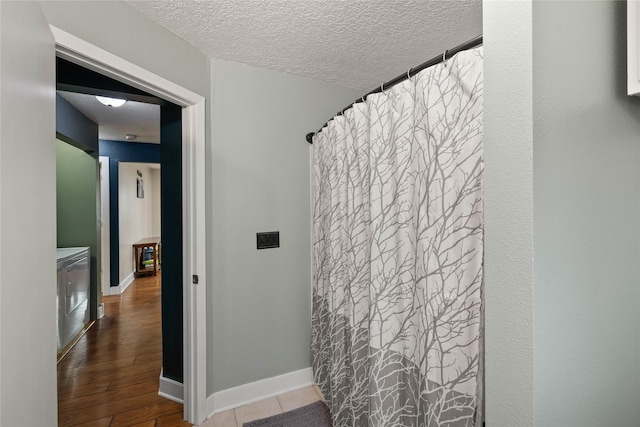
110,377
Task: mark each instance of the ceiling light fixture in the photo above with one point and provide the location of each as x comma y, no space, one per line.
130,137
111,102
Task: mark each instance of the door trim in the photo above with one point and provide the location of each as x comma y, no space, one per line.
105,260
94,58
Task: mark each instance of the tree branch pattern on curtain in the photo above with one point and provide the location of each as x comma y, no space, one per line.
397,253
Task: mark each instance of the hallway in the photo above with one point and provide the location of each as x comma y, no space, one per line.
110,378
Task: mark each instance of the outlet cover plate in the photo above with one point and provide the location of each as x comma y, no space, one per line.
268,240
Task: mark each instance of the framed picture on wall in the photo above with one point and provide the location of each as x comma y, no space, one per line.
140,185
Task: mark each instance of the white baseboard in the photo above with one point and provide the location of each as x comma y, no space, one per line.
171,389
117,290
126,282
258,390
100,311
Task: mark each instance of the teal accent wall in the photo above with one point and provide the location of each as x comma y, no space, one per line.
121,151
171,218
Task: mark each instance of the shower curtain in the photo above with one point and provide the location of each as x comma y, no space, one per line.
397,253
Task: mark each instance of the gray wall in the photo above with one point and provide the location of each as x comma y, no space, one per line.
586,217
508,211
559,127
27,220
260,305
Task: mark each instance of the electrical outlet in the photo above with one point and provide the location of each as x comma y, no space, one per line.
268,240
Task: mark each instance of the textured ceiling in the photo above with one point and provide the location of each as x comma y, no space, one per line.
135,118
357,43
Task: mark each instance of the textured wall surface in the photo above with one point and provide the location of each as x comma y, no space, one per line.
586,218
508,213
260,304
27,218
357,44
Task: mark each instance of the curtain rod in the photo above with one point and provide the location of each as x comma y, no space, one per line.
476,41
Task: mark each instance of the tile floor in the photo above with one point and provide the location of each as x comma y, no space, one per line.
264,408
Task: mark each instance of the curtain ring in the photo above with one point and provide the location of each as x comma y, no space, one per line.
444,57
409,74
382,88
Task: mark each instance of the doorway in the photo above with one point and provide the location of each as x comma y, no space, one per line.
139,219
193,275
147,132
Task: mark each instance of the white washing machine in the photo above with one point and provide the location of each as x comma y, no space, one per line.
73,293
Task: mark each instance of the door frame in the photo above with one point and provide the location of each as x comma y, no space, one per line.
105,259
94,58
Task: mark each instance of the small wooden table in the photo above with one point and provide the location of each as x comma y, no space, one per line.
147,257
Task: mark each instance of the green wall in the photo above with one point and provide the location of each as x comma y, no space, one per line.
76,203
